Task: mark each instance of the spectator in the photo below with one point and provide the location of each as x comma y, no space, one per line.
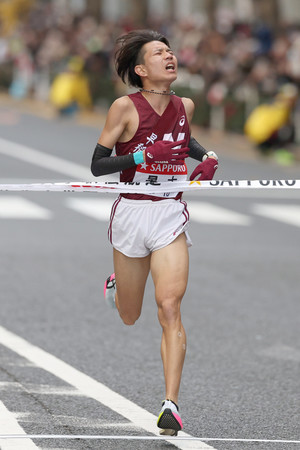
70,89
271,126
239,63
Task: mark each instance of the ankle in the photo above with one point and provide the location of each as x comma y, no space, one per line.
168,399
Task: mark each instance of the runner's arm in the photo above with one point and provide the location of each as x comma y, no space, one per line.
104,164
115,126
196,150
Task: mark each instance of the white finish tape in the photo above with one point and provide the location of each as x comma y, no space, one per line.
145,438
151,188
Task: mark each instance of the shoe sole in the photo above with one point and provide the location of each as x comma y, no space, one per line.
169,424
168,432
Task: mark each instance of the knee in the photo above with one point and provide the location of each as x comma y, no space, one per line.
169,311
129,318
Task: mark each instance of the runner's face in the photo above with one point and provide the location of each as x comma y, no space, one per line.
160,63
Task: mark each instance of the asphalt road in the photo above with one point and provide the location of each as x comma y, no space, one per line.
241,310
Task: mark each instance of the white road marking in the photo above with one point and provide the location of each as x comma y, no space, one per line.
91,388
44,160
289,214
50,162
201,212
16,207
81,422
208,213
44,389
9,425
97,208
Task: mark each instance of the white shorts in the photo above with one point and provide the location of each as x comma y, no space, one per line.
139,227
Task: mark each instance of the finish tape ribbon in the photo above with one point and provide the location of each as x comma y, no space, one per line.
152,188
179,439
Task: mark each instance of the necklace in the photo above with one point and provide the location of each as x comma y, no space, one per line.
155,92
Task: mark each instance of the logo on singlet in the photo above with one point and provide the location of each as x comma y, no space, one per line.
182,121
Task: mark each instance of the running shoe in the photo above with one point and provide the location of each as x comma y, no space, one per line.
169,419
110,291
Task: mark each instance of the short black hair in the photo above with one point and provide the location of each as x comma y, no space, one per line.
128,54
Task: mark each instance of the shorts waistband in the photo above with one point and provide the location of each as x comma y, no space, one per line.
148,202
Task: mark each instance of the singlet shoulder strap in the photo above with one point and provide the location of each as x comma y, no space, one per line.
138,99
177,102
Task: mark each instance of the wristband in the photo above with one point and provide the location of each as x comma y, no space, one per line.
138,157
211,153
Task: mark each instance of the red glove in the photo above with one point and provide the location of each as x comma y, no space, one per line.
163,152
206,170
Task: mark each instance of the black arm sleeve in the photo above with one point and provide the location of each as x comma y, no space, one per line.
196,150
103,163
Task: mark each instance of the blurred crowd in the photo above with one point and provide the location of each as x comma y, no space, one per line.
246,63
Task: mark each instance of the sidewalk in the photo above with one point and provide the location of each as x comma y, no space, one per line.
224,143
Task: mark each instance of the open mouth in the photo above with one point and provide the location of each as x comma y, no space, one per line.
170,67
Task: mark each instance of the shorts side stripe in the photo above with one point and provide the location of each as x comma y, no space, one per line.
185,212
112,215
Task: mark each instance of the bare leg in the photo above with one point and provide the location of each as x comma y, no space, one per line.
131,277
169,268
172,391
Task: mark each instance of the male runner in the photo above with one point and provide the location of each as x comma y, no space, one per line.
151,134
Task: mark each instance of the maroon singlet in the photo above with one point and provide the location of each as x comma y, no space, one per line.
172,125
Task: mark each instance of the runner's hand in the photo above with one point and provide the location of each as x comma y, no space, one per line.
164,152
206,170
